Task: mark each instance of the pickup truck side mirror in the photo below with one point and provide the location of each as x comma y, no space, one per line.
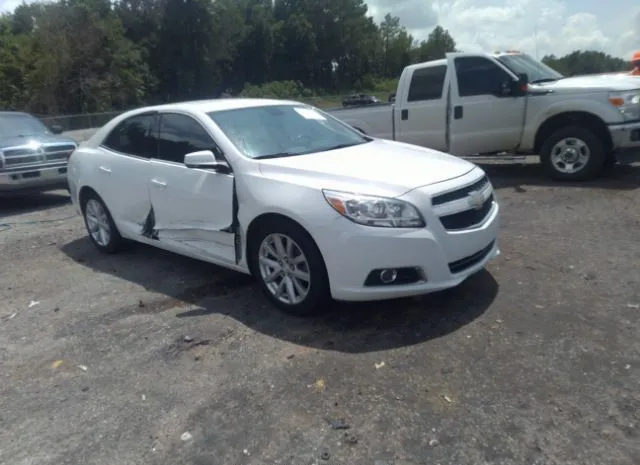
205,159
56,129
521,84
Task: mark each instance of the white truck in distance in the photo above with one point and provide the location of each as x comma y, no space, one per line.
479,104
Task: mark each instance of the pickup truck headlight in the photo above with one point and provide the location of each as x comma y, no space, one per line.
375,211
628,102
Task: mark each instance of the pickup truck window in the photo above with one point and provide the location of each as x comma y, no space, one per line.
134,136
479,76
427,83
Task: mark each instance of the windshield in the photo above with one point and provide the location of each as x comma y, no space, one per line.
284,130
535,70
20,124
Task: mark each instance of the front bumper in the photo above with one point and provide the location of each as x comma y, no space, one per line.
351,252
626,140
33,179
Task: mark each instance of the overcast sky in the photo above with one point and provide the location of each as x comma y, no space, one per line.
534,26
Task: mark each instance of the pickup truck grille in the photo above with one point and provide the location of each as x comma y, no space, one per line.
58,152
19,156
464,207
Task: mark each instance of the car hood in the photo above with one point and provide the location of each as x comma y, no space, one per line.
598,82
40,139
379,167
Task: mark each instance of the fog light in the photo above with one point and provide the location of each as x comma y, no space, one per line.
388,276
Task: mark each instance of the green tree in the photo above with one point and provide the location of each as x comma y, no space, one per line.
586,62
438,44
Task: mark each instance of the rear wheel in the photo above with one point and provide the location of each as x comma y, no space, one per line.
100,226
573,153
290,269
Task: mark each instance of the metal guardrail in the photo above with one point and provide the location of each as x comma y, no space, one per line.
79,122
97,120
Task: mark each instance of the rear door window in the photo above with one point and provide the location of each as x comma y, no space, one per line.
427,83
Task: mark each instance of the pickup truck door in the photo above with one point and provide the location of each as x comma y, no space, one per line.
484,117
420,113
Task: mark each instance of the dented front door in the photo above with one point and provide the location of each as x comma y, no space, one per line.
191,208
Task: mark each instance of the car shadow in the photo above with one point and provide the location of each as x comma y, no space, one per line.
344,327
31,203
518,176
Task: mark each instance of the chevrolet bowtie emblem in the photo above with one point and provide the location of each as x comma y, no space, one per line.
476,200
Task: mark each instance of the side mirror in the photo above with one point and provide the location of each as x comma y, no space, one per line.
521,84
205,159
57,129
507,88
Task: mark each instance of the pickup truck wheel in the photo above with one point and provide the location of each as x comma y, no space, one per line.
573,153
290,269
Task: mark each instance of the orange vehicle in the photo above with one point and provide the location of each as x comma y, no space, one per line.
635,60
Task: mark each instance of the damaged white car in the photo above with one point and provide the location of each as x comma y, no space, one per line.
283,191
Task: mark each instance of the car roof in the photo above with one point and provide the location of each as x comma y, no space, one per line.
207,106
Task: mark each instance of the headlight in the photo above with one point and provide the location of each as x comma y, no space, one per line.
375,211
628,102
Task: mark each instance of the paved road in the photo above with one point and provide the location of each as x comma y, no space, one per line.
535,361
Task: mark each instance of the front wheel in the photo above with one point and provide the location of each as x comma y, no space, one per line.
573,153
290,269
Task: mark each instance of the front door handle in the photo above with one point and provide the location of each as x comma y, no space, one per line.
104,169
159,184
404,114
457,112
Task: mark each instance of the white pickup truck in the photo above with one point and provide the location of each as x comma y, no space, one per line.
479,104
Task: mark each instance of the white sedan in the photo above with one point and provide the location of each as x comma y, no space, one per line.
280,190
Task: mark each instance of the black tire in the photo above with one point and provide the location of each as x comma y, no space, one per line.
115,242
609,164
318,294
593,167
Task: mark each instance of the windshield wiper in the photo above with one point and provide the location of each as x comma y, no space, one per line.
540,81
276,155
343,146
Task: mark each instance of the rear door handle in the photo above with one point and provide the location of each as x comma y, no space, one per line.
159,184
104,169
457,112
404,114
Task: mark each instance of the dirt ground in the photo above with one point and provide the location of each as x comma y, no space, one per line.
149,358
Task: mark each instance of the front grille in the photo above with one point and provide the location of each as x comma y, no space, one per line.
460,193
21,156
467,262
59,152
60,148
468,218
29,155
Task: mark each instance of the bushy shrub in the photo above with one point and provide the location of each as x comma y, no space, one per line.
277,89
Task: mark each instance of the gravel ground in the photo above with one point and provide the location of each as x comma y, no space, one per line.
149,358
